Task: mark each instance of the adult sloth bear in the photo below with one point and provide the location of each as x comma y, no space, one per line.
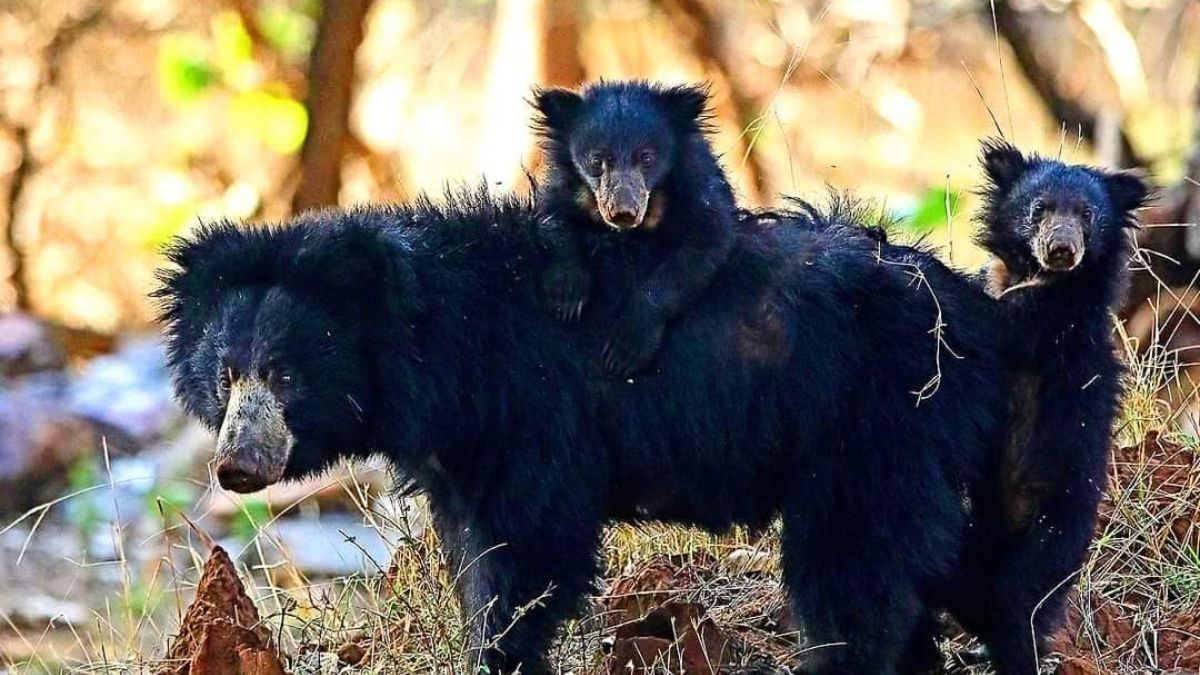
853,395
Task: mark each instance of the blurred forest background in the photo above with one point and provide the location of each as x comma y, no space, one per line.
126,122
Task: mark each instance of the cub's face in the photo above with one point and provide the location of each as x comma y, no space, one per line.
1047,217
621,167
279,380
618,143
1059,215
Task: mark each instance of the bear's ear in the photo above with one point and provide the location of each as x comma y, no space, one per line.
1003,164
557,109
343,261
687,105
215,258
1128,191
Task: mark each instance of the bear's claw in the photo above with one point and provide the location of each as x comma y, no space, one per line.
634,342
565,288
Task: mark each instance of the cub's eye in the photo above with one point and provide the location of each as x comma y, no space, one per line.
1038,209
595,165
1088,213
647,158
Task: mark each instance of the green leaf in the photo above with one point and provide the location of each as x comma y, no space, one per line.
184,71
930,211
290,30
175,498
253,514
167,221
233,47
279,122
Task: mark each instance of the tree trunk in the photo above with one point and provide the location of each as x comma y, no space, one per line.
1171,236
330,90
562,65
1019,30
704,33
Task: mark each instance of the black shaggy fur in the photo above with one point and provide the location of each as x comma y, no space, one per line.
631,156
807,382
1035,515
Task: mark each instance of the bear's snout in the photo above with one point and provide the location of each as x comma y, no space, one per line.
254,443
1060,247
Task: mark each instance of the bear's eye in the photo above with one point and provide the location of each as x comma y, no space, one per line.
1088,213
647,158
1038,209
595,165
281,378
225,380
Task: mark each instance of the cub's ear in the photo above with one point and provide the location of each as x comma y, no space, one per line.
1003,164
557,109
687,105
1128,191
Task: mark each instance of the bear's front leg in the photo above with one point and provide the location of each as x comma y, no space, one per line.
515,589
565,286
635,339
566,280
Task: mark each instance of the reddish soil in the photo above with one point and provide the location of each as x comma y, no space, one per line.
1159,480
221,633
659,628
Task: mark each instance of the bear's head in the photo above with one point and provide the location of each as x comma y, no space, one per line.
268,338
1046,219
617,142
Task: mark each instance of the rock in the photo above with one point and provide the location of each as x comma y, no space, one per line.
38,441
351,654
640,656
1179,643
27,346
225,648
635,595
1077,666
333,546
37,610
750,561
221,632
128,391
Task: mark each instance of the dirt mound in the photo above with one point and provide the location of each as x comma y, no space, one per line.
656,582
678,637
679,618
221,633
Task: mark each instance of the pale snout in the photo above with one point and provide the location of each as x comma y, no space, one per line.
622,198
254,443
1060,246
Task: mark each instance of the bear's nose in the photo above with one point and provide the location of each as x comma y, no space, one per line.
236,476
1060,255
624,219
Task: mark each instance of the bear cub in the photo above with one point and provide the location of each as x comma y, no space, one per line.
633,158
1058,235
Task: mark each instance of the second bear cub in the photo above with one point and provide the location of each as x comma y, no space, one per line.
631,157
